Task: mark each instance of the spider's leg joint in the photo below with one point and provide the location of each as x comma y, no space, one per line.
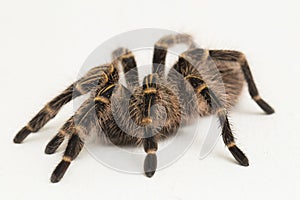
101,99
231,144
256,97
67,158
146,120
29,128
150,90
200,88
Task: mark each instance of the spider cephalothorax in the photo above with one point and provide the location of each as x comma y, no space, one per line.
144,114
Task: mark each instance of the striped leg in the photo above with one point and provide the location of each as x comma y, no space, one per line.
150,147
58,139
78,127
82,122
74,147
128,62
84,85
161,48
235,56
149,141
65,130
200,88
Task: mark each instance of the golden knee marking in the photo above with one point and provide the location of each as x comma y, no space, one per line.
63,133
232,144
150,91
79,88
200,88
221,111
151,151
105,77
256,98
146,120
48,108
67,159
29,128
101,99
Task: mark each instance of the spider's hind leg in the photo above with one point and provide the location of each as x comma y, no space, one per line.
201,89
235,56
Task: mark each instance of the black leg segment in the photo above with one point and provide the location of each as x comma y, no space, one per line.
235,56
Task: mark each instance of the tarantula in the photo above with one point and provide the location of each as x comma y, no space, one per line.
191,88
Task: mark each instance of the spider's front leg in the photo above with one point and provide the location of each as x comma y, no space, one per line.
58,139
201,89
94,77
149,141
79,126
143,112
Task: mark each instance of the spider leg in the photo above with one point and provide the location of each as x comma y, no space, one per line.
81,123
84,85
235,56
74,147
76,141
128,62
57,140
161,48
83,119
149,141
191,75
150,147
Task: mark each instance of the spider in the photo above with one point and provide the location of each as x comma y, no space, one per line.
191,77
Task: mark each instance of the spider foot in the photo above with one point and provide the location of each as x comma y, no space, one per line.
59,171
22,134
265,106
239,156
150,164
54,144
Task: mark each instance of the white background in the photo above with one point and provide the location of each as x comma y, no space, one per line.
44,43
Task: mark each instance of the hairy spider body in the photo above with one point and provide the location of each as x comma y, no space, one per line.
143,115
